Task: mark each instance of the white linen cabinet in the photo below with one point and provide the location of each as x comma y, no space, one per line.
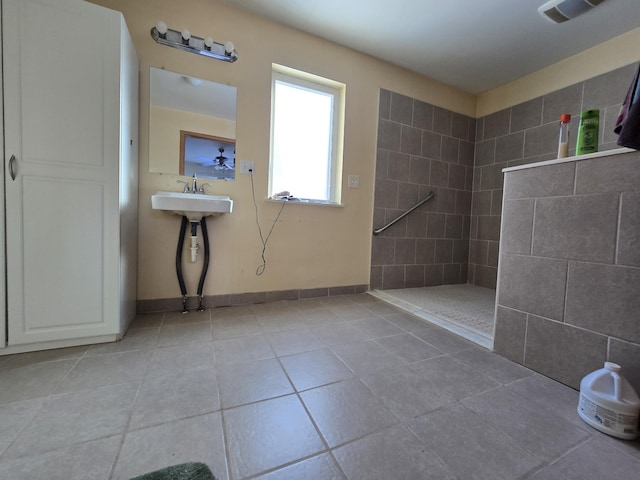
70,114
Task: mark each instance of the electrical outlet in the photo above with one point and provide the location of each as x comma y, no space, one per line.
246,166
354,181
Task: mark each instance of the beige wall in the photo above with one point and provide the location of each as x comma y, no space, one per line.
164,133
312,246
603,58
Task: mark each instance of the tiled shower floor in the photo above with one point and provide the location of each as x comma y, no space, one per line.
343,388
466,310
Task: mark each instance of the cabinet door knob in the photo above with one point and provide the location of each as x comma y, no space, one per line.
12,167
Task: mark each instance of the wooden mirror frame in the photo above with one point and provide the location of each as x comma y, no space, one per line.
185,133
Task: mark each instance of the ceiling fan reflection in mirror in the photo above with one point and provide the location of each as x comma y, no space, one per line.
222,161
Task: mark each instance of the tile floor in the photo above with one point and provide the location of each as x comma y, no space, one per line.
334,388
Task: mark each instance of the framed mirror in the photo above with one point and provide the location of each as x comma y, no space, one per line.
190,120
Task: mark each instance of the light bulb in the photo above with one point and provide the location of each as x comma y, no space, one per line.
186,35
161,27
228,47
208,42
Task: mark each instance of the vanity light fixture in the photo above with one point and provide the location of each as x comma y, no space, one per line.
190,43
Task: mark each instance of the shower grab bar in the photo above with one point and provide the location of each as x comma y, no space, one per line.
402,215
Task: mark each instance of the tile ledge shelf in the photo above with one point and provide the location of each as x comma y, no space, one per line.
576,158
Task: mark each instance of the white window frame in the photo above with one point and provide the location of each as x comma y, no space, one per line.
337,90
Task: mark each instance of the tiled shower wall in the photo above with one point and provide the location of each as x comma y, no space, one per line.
569,290
422,148
528,133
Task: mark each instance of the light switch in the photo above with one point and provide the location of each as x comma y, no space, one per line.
354,181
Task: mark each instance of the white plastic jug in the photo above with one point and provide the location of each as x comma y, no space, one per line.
609,403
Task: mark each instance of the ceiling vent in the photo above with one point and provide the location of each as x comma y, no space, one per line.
559,11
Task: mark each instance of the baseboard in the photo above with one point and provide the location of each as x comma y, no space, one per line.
252,298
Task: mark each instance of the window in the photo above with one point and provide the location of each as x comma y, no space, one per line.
306,136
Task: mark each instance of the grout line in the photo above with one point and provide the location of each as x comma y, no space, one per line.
616,248
533,225
129,417
225,443
313,422
565,300
524,347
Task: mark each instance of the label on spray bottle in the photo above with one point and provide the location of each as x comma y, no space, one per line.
588,132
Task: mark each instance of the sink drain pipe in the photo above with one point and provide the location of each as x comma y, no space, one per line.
194,242
194,253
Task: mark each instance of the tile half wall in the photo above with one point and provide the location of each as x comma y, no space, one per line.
569,278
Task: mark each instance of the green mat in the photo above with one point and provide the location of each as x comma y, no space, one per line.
183,471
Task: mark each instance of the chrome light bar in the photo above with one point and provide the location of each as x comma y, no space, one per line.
190,43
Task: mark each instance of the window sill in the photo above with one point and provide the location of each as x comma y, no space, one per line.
305,201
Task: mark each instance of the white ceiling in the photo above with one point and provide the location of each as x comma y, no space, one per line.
475,45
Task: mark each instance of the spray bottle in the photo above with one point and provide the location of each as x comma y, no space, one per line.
563,142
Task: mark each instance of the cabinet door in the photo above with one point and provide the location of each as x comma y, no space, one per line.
61,92
3,318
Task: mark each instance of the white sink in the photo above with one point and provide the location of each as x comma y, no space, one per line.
194,206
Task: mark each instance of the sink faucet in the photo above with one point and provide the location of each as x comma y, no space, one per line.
194,185
186,186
